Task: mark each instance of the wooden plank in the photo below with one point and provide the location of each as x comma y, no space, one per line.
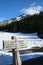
9,44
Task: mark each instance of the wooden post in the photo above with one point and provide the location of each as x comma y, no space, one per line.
13,60
16,57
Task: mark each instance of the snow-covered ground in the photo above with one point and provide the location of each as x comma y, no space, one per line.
7,36
6,58
31,38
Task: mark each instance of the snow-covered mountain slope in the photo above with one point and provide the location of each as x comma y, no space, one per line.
18,18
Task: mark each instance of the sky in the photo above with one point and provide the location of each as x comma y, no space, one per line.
13,8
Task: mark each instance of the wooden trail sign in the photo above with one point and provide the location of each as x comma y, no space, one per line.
12,44
9,44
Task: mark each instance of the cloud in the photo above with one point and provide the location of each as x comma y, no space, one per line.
32,4
32,10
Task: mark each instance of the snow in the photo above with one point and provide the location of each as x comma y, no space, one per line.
18,18
7,36
6,57
31,56
35,43
32,39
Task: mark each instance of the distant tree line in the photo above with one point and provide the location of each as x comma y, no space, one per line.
28,24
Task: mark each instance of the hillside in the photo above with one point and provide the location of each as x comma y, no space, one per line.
25,24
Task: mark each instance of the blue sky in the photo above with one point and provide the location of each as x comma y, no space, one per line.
13,8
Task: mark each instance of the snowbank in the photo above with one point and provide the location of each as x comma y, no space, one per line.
6,58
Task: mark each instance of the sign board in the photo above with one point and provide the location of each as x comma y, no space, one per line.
11,44
22,44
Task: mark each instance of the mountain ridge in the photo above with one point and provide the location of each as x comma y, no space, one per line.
24,23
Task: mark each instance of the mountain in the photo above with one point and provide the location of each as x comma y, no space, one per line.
5,22
24,23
